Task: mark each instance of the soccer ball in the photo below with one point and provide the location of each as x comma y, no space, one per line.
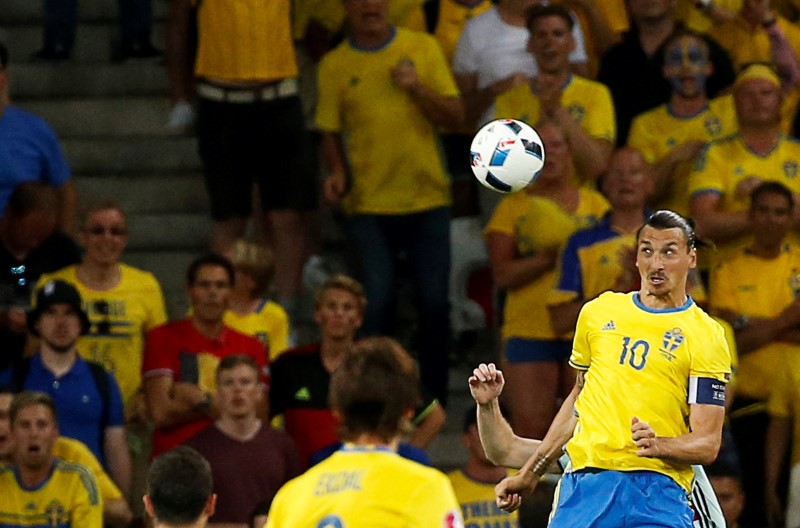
506,155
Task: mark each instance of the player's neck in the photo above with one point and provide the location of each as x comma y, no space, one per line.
32,478
653,33
242,429
663,302
209,328
99,277
765,251
372,39
373,440
512,12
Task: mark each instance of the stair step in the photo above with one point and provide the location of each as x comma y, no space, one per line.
105,117
146,194
94,41
25,11
132,155
69,79
169,231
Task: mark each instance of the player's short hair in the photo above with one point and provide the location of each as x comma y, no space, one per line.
3,56
666,219
27,399
722,467
344,282
257,261
372,391
231,362
33,196
179,484
539,11
212,259
106,204
771,187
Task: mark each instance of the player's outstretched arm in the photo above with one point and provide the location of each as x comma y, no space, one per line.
501,445
700,446
510,491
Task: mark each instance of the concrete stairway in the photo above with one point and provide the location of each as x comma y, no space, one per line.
110,119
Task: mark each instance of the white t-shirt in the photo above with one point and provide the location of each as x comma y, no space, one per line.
494,50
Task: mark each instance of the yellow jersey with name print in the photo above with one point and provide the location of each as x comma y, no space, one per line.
245,40
539,224
588,102
120,318
392,148
646,363
656,132
366,487
68,498
477,500
760,288
269,323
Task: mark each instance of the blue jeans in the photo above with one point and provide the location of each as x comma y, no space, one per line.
61,21
424,239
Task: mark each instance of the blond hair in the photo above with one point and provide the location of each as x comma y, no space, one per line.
344,282
257,261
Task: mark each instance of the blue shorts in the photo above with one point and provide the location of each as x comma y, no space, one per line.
611,499
522,350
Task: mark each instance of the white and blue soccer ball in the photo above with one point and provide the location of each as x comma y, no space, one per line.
506,155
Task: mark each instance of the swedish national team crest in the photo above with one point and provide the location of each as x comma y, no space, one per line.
790,168
713,126
670,342
577,111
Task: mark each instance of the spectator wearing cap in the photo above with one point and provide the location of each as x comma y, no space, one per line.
30,151
30,245
87,398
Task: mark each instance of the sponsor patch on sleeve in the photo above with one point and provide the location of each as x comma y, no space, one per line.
708,391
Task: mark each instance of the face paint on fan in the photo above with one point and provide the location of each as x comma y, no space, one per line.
686,59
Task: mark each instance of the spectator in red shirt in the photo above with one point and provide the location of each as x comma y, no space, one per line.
180,358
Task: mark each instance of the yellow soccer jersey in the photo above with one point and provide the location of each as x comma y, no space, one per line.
539,224
392,147
639,362
269,324
746,44
588,102
761,288
477,500
246,40
724,164
363,487
120,319
656,132
71,450
453,16
783,403
67,499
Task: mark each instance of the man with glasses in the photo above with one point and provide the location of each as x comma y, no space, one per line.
30,245
122,303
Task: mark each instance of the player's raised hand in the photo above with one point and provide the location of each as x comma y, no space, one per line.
644,437
486,383
404,75
509,492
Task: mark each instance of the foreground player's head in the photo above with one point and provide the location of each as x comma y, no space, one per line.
373,393
180,489
666,251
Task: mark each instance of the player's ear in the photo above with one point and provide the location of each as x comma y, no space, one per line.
148,506
211,505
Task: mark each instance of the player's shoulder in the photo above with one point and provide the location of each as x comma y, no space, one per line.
272,309
481,23
414,36
588,85
138,276
607,300
298,357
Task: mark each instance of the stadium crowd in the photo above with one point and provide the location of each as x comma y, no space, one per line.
368,106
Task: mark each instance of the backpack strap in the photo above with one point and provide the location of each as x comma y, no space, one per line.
100,376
